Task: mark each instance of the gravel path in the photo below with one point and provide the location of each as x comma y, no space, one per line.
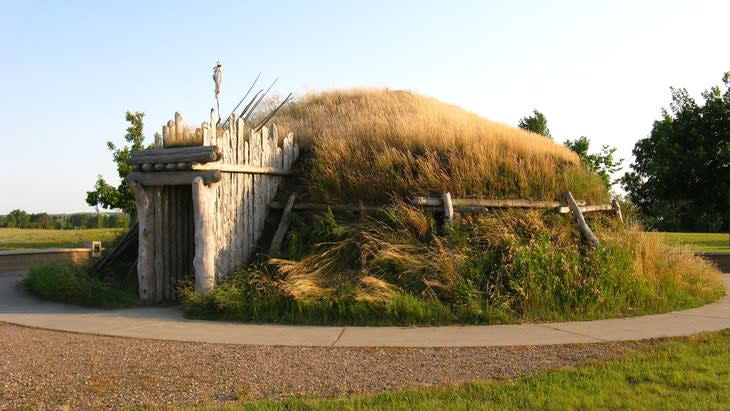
41,368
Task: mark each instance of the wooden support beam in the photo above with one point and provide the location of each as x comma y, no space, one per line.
281,230
448,209
146,243
204,260
617,209
468,202
199,154
242,168
585,231
174,178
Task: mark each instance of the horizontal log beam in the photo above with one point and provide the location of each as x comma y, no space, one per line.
465,209
467,202
174,178
198,154
242,168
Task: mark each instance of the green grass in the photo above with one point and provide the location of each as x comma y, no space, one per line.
78,285
706,242
22,238
679,374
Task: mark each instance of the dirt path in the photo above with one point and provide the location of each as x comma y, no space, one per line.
51,369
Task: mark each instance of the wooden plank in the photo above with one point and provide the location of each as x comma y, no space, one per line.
281,230
171,178
242,168
448,209
585,231
203,262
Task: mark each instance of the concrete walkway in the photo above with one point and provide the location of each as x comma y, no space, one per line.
168,324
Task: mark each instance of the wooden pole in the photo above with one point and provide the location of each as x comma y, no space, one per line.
617,209
283,227
585,231
203,262
448,209
146,240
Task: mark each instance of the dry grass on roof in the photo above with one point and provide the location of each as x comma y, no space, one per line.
367,145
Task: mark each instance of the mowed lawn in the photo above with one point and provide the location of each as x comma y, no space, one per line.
698,241
24,238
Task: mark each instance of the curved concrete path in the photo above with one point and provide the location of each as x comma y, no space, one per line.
168,324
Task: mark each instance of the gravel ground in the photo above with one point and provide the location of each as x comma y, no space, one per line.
50,369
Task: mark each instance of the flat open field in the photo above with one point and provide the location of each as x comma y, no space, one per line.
699,241
23,238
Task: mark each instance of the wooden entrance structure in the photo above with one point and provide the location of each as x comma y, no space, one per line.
202,199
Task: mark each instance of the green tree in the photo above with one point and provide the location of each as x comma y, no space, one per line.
604,163
680,178
41,220
121,197
18,218
537,123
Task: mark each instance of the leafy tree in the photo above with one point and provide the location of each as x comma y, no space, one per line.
121,197
681,176
18,218
605,163
537,123
41,220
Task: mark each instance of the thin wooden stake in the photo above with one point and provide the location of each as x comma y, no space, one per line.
585,231
283,227
448,209
617,209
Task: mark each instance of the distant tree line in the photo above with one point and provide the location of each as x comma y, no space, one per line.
22,219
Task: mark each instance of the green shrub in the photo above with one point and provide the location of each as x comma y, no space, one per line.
77,285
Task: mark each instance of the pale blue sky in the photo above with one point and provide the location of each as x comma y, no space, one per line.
71,69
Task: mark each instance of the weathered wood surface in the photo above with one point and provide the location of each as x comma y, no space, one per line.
251,165
232,176
172,178
176,134
242,168
617,209
146,240
448,207
204,260
199,154
585,231
281,230
466,207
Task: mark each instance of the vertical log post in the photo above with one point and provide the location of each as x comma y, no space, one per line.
448,209
203,262
585,231
146,249
617,209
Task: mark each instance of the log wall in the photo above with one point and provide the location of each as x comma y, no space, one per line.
202,200
241,197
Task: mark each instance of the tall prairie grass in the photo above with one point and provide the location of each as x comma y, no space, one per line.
399,267
367,145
